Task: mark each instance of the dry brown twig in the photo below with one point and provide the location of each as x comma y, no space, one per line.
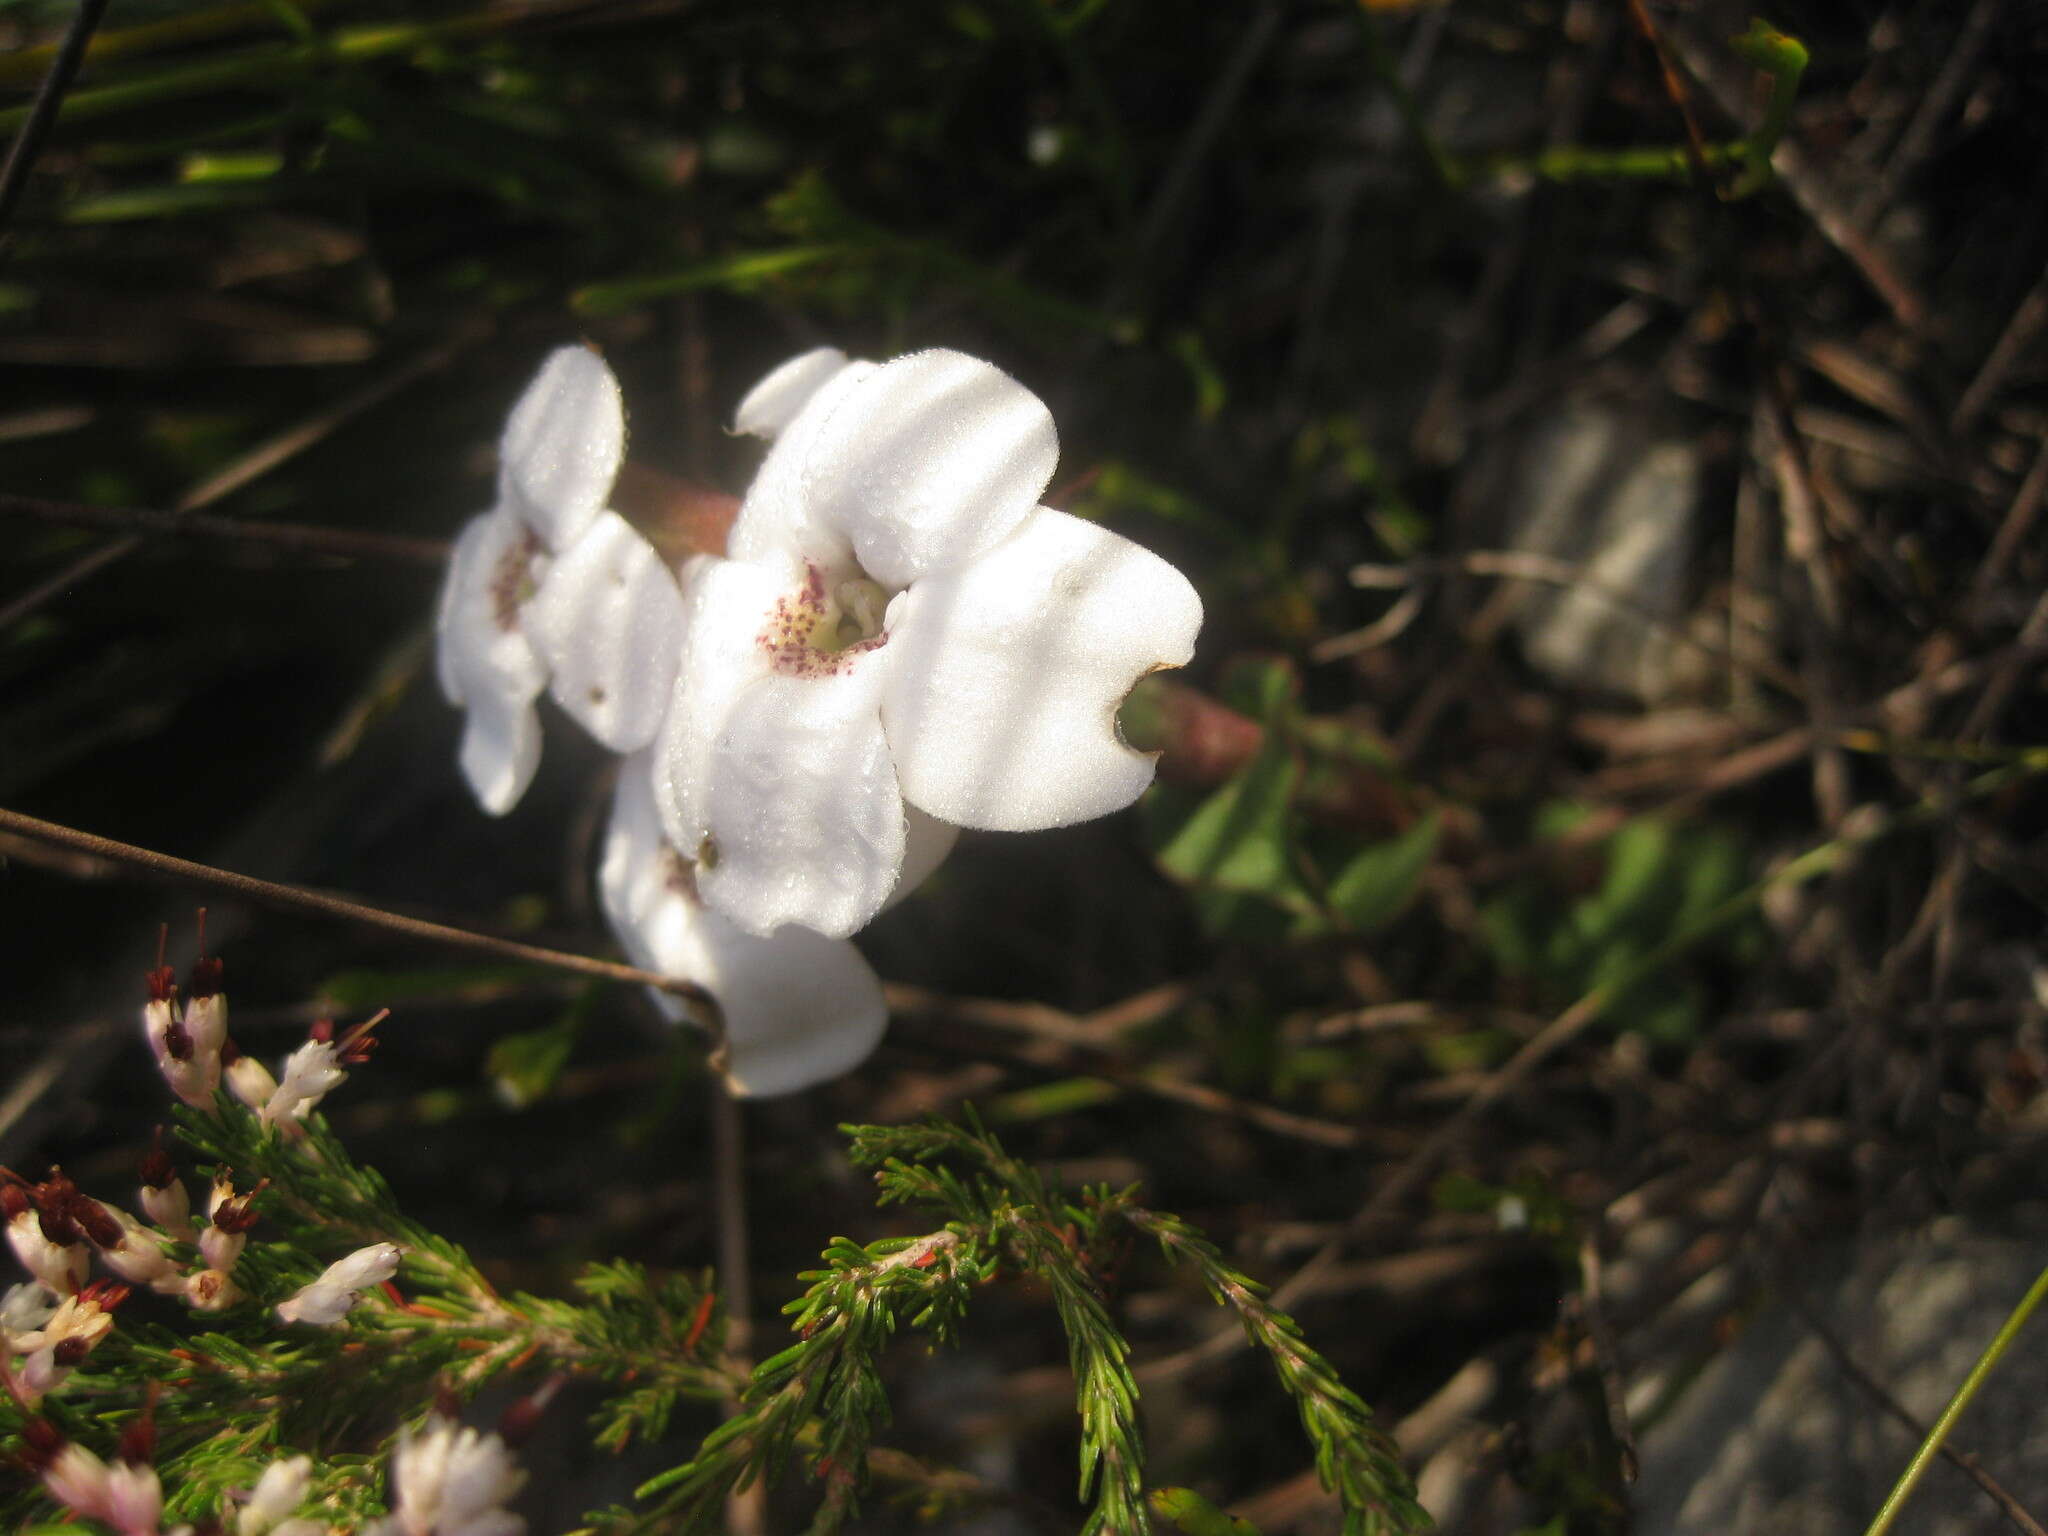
294,898
1053,1040
256,462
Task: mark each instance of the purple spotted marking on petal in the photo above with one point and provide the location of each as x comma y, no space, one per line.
512,580
793,625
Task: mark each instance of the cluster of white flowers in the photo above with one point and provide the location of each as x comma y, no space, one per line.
195,1054
445,1481
898,641
188,1041
308,1075
43,1338
127,1495
278,1492
451,1481
49,1326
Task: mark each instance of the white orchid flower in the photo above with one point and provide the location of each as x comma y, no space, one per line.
798,1007
901,632
550,590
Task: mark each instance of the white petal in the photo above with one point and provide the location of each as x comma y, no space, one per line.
135,1499
500,751
1001,706
563,444
638,869
775,526
481,1476
485,661
798,1007
26,1307
280,1490
78,1480
480,646
320,1304
366,1266
927,842
725,610
773,403
804,813
608,621
932,459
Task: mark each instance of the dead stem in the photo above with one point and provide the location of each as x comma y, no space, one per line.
293,898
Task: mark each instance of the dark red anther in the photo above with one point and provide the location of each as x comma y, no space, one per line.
40,1442
59,1204
157,1169
59,1228
204,980
56,1188
13,1197
239,1214
322,1031
177,1041
522,1415
94,1220
355,1047
230,1053
68,1352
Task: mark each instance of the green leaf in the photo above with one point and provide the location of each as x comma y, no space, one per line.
348,991
1186,1510
1121,491
1210,390
1237,838
740,272
1240,838
1658,879
524,1067
1376,886
1045,1101
1264,687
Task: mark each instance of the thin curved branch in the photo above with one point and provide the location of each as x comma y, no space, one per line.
294,898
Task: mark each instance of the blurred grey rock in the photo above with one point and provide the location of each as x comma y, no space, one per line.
1601,486
1776,1439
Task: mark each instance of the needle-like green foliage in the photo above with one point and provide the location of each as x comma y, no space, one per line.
1065,1243
236,1388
